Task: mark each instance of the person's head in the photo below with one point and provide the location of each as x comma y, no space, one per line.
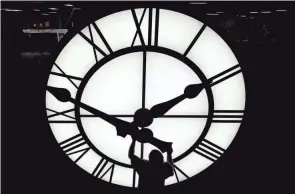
156,157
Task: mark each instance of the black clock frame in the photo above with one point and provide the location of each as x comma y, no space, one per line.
75,30
157,49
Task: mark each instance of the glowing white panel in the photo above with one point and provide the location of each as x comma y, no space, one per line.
183,132
230,94
116,87
64,131
176,30
123,176
222,134
118,29
166,79
77,57
104,137
212,54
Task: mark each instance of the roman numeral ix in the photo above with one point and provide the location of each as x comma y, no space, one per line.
74,145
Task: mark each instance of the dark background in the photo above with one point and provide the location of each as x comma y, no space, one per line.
259,159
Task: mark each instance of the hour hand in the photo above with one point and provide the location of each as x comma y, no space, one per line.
191,91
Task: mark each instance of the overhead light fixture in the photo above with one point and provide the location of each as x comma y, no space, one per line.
254,12
52,12
219,12
266,12
199,3
14,10
281,10
45,14
77,8
243,16
69,5
212,14
36,9
53,8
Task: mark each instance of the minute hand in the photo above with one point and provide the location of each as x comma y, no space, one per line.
191,91
123,128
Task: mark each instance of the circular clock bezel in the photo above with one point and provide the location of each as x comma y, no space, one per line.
217,29
156,49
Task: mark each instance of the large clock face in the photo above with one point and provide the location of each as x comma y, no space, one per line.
132,60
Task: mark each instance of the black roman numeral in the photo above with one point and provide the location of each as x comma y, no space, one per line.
91,36
62,121
153,26
228,116
179,170
100,167
60,113
136,33
194,40
138,30
63,74
91,40
102,37
74,145
225,75
209,150
156,31
134,177
111,168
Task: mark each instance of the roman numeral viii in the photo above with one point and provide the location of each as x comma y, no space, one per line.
209,150
75,145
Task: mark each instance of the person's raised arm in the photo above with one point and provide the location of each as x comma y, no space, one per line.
170,166
131,149
169,158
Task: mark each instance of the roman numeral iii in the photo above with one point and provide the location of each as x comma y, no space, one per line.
209,150
228,116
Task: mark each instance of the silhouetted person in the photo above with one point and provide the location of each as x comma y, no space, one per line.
152,173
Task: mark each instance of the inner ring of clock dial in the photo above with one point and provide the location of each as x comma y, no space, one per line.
150,87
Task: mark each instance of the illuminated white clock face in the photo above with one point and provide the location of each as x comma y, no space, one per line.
102,66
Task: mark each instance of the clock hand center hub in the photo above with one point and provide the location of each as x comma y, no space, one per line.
143,117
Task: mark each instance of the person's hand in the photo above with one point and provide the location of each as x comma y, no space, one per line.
169,150
145,135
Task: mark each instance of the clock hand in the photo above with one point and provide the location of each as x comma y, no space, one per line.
123,128
64,95
191,91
